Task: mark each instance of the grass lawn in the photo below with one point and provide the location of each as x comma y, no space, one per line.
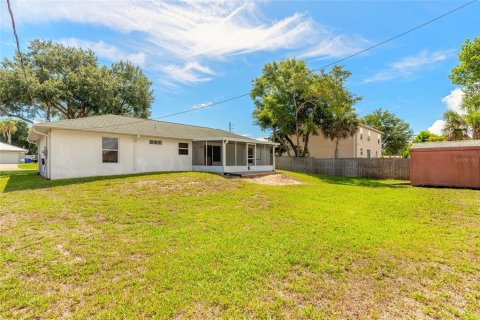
197,245
28,166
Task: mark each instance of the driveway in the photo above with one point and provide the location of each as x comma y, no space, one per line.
8,167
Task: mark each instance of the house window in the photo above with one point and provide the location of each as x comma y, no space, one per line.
368,136
368,153
157,142
361,151
378,139
109,150
183,148
376,154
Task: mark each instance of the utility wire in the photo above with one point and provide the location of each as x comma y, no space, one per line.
342,59
317,69
22,64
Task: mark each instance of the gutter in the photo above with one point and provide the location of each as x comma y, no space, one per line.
48,149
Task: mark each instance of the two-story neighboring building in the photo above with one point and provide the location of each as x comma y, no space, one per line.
365,143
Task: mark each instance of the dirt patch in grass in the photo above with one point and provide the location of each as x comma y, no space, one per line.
278,179
7,220
180,185
368,290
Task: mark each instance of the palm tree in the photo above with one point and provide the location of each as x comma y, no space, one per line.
342,123
8,128
456,127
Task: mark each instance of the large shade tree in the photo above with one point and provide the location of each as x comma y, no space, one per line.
295,102
467,74
396,132
340,120
66,82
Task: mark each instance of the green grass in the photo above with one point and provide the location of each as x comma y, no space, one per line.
28,166
197,245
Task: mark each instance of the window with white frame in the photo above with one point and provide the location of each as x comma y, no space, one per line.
157,142
183,148
361,133
361,151
379,139
368,135
109,150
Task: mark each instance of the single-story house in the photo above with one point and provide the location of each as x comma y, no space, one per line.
365,143
111,144
11,154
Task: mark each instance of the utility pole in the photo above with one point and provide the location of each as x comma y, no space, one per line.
230,127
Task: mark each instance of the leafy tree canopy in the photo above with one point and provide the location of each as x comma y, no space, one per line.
396,132
423,136
68,82
294,102
467,74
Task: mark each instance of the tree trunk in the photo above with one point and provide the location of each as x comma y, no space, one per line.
336,148
476,132
305,146
292,145
47,115
297,129
9,137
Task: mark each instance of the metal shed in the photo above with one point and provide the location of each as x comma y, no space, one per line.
446,164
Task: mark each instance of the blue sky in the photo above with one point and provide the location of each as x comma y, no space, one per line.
199,52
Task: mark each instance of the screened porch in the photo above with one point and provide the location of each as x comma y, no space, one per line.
232,155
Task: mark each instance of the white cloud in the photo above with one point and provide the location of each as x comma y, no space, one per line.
409,66
189,33
336,46
105,50
184,28
454,100
437,127
189,73
201,105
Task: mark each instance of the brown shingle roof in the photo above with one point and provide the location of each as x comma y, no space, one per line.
143,127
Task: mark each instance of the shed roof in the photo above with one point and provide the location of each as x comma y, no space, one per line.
144,127
9,147
446,144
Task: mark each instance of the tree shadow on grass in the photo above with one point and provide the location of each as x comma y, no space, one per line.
30,180
363,182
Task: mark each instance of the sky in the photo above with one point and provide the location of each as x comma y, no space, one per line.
201,52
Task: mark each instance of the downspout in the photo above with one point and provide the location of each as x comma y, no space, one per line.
48,149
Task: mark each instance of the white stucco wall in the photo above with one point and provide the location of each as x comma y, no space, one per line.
79,154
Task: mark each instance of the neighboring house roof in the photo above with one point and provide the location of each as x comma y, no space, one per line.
368,127
9,147
446,144
142,127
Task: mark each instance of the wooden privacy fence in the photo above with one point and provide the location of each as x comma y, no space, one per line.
379,168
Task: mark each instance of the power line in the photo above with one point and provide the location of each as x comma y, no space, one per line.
22,64
317,69
397,36
345,58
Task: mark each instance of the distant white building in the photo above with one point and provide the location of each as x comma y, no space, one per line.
11,154
111,144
